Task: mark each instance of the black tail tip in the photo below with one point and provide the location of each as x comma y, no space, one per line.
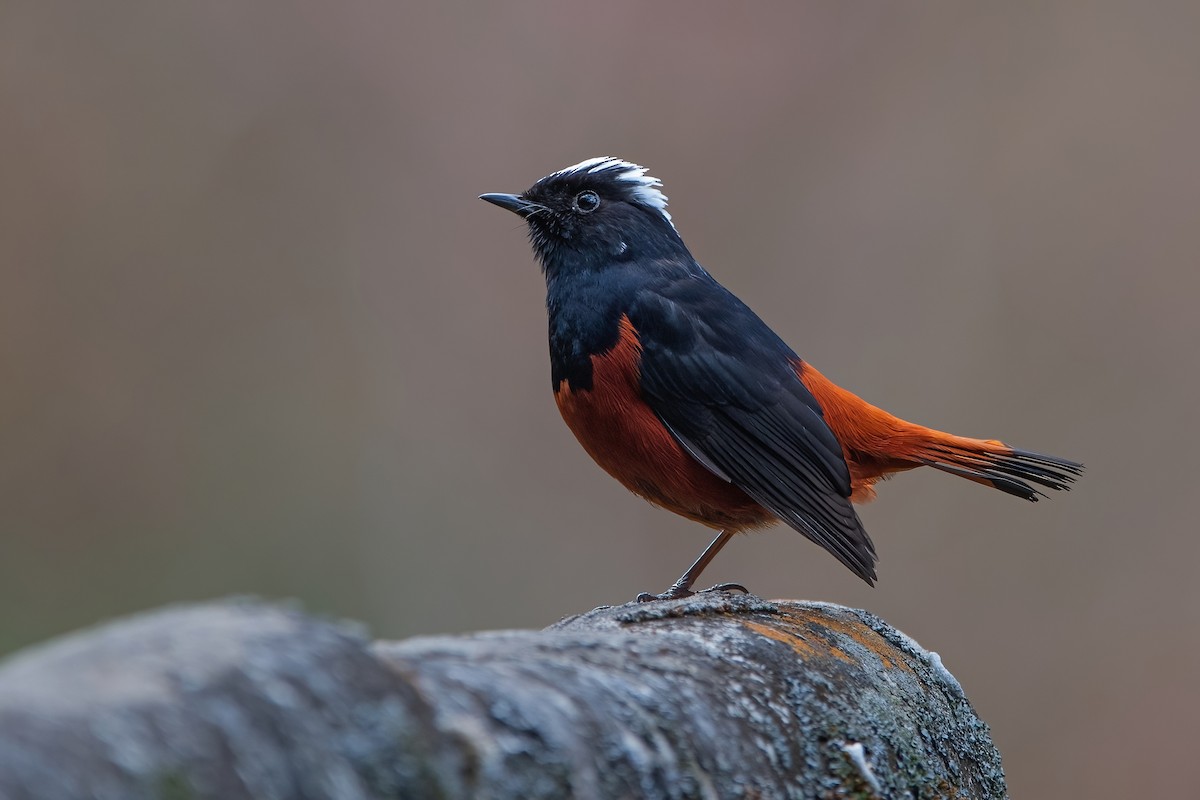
1063,464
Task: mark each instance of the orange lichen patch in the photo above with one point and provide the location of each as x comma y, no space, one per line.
867,638
815,633
789,637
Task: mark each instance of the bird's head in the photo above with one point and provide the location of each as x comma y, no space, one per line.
595,213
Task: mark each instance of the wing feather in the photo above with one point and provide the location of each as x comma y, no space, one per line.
726,388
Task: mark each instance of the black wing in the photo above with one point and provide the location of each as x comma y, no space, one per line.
726,387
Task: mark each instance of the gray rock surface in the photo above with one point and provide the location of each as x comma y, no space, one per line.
714,696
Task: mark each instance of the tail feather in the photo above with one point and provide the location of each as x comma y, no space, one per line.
877,444
995,464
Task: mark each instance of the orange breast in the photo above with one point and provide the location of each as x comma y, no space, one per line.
625,437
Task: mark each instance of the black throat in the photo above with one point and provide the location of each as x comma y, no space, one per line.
584,314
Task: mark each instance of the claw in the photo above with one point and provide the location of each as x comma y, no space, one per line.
726,587
683,586
674,593
677,592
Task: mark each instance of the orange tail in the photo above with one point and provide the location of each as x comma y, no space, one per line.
877,444
995,464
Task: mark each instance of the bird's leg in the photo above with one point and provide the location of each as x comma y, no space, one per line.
683,586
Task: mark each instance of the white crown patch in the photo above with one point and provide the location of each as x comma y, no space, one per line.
644,188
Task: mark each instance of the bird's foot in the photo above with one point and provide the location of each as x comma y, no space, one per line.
678,591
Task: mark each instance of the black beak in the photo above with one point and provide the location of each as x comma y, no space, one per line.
514,203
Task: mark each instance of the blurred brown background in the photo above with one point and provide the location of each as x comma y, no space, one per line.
257,334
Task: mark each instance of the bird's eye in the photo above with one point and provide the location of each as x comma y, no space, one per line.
587,202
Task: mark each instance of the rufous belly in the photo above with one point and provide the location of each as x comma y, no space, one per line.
626,438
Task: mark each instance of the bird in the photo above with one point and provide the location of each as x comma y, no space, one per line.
685,396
